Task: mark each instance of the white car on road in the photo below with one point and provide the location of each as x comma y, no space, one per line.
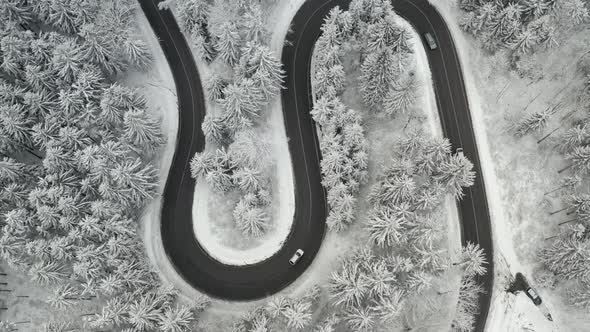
296,256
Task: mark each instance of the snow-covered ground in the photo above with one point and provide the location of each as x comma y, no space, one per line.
517,172
27,307
157,85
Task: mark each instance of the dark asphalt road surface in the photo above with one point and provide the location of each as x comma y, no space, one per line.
275,273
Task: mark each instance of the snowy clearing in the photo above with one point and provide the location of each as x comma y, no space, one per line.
213,237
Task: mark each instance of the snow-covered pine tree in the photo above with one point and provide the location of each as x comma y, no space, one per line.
377,73
260,64
574,137
253,23
144,313
387,33
395,188
216,131
229,43
176,319
580,203
248,179
580,160
349,287
576,10
277,305
135,180
386,228
46,272
137,52
389,307
473,260
12,171
39,78
215,85
194,15
63,297
328,47
360,319
455,173
116,100
298,314
381,280
203,48
329,78
579,294
323,109
142,131
251,149
432,153
15,11
241,104
219,180
566,258
401,95
67,60
525,40
370,11
251,220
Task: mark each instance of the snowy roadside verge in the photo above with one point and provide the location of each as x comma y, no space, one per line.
158,87
429,105
273,240
501,235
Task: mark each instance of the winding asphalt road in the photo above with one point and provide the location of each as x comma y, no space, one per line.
259,280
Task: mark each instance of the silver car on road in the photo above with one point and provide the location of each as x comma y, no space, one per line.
431,41
296,256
